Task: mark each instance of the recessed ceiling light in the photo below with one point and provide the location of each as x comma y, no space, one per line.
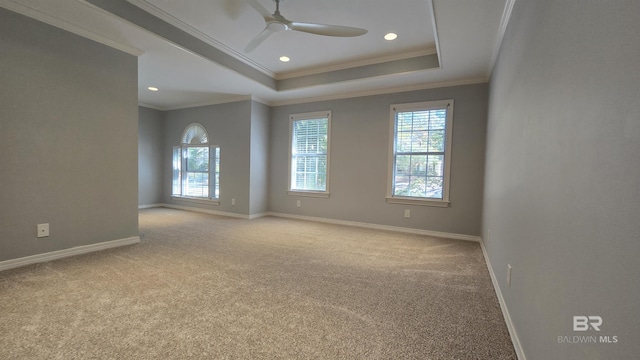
151,88
391,36
284,58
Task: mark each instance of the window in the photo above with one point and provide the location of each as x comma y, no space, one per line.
196,166
309,154
420,153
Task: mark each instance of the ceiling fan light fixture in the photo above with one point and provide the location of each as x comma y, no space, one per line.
285,59
391,36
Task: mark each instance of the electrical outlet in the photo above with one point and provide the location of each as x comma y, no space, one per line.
407,213
233,201
298,203
43,230
509,275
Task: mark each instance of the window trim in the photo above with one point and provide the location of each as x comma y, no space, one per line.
308,116
446,185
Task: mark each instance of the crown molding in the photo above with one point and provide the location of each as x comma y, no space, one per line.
469,81
231,99
158,12
153,107
26,10
355,64
434,23
504,21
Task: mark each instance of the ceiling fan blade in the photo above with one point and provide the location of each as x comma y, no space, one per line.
258,40
327,30
259,8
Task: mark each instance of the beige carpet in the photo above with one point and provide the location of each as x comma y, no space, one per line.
208,287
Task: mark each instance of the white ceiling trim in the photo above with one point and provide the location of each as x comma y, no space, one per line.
504,21
156,11
145,20
75,29
354,64
150,106
397,67
435,30
208,103
471,81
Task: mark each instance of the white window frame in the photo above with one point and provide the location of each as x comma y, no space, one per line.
309,116
446,185
179,163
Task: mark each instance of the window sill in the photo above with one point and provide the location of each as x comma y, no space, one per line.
318,194
421,202
197,200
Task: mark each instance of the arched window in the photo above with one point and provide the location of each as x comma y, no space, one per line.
196,166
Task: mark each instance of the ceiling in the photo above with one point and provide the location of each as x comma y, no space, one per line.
193,50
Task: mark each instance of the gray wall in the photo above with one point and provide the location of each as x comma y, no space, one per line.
68,139
228,126
562,195
259,182
359,157
150,160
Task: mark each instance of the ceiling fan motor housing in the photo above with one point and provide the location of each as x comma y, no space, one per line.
277,26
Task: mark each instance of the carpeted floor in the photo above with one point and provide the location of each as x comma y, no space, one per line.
207,287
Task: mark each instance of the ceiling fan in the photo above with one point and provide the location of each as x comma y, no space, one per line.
276,23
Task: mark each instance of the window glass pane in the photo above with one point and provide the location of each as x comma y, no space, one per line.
419,141
438,119
196,184
434,187
217,174
436,141
401,185
403,164
403,143
198,158
419,165
176,165
417,186
420,120
435,165
404,122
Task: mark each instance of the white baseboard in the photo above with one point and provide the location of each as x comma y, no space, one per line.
149,206
59,254
206,211
503,306
380,227
330,221
259,215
